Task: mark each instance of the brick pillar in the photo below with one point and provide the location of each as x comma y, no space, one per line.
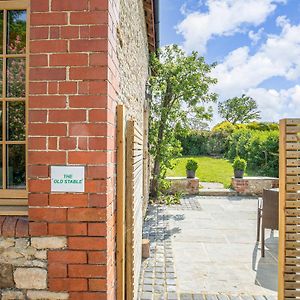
71,122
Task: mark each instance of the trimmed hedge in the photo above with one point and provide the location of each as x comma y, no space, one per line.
259,148
194,143
204,143
257,143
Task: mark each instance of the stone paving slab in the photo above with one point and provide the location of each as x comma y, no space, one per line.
161,279
212,185
223,297
219,242
217,192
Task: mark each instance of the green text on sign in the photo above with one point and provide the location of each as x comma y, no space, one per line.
67,179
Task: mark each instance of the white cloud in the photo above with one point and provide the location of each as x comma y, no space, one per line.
224,18
241,72
255,36
278,56
275,105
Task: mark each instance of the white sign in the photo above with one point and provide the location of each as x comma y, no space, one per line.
67,179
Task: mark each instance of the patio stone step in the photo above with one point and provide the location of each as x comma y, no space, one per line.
217,192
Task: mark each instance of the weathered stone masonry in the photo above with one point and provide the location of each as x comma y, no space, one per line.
86,56
23,261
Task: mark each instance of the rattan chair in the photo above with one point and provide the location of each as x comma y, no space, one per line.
267,215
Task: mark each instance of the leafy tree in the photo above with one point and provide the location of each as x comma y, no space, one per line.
180,86
239,110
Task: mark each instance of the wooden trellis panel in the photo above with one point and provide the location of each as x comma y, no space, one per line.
121,161
134,208
289,213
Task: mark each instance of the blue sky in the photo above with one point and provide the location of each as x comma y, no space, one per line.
256,44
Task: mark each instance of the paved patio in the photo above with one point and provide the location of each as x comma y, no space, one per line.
211,242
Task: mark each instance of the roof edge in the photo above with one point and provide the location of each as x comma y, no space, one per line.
151,8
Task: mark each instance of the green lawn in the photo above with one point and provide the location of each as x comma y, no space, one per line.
209,169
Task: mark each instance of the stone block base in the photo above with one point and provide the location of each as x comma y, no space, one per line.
24,267
189,186
254,185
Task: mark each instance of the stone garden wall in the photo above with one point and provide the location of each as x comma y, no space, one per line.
254,185
189,186
24,272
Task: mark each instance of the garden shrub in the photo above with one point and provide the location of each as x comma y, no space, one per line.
238,143
191,165
256,142
224,126
195,143
258,148
217,143
239,164
212,143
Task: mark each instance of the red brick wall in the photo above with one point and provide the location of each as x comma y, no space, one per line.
71,120
253,185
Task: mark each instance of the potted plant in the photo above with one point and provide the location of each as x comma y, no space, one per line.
239,166
191,167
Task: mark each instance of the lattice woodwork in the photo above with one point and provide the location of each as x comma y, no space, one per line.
289,214
134,208
121,176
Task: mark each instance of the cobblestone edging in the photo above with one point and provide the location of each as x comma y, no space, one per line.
158,278
187,203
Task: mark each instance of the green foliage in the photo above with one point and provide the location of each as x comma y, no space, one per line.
239,110
180,86
224,126
164,197
194,143
171,199
239,164
164,186
256,142
217,143
191,165
259,148
213,143
262,126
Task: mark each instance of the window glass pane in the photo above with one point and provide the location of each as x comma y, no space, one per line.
1,121
16,31
1,168
1,79
16,176
1,31
15,77
15,118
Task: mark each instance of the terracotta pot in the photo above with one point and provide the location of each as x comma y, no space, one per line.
190,174
238,173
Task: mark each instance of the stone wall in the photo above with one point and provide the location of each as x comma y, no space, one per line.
189,186
133,56
23,267
134,70
253,185
128,73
